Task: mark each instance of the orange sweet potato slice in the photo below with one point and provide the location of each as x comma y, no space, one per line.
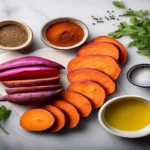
101,48
101,62
111,40
36,120
91,90
59,118
95,75
71,112
82,104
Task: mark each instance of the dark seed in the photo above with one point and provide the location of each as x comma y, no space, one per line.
117,19
129,8
93,23
120,15
112,11
107,11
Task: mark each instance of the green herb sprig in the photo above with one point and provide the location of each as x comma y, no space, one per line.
119,4
138,28
4,114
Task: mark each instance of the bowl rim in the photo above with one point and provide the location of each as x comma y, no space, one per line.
28,30
134,68
68,47
125,134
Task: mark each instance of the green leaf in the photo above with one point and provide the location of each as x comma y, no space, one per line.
118,4
133,20
4,114
140,13
117,34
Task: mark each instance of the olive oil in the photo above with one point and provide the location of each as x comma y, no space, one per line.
128,114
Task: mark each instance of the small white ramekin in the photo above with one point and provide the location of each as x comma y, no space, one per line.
127,134
58,20
27,29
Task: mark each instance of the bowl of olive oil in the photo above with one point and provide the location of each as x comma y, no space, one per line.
126,116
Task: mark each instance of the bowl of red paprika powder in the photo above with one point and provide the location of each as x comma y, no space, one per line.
64,33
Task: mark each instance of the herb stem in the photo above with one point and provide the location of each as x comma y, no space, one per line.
3,129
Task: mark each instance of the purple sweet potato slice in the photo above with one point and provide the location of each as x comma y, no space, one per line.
28,73
32,89
32,98
30,61
32,82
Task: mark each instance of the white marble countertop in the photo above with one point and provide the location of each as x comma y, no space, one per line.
89,135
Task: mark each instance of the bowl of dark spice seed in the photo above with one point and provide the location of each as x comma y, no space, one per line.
14,35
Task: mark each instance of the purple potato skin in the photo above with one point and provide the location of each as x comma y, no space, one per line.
32,98
31,82
30,61
9,74
32,89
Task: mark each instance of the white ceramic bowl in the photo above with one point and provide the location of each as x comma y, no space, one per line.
26,27
128,134
58,20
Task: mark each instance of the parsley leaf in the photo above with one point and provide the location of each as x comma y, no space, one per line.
140,13
4,114
138,28
118,4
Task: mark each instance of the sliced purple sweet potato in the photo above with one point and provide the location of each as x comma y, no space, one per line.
28,73
32,82
32,89
29,61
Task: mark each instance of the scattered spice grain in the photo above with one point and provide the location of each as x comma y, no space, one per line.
12,35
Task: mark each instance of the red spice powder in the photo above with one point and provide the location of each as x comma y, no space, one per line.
64,34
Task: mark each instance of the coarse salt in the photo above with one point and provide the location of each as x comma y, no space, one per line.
141,76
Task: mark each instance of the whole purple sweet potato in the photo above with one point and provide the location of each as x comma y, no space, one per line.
32,98
30,61
32,89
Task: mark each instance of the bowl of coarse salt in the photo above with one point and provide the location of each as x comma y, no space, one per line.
139,75
14,35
